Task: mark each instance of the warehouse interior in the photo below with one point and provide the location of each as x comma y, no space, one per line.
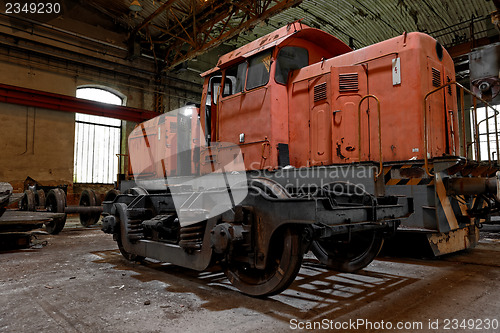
148,56
155,56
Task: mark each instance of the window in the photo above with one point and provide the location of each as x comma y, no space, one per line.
97,140
214,85
236,75
258,70
486,133
290,58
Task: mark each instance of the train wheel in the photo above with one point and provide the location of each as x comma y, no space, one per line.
40,198
283,264
125,254
111,195
352,256
55,202
119,240
284,255
28,201
89,198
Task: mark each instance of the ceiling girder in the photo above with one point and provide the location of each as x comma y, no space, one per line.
151,17
206,26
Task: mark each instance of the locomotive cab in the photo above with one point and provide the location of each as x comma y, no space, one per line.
253,108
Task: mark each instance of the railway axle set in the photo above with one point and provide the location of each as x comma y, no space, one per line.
54,201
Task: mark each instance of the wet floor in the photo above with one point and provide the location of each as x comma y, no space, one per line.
78,282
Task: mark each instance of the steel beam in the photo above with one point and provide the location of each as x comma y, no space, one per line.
41,99
465,48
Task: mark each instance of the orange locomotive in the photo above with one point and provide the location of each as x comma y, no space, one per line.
324,104
301,143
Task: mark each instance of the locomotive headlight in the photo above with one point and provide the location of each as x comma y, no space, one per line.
439,51
484,86
186,112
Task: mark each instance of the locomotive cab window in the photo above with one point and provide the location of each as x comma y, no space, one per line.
236,75
258,70
289,59
214,88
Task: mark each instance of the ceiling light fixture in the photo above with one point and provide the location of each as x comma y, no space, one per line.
135,6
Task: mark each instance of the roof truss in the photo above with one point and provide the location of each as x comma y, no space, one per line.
175,34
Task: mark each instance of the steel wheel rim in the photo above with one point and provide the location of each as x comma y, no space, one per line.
281,270
55,202
355,255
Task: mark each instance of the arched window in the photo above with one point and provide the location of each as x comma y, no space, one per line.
97,139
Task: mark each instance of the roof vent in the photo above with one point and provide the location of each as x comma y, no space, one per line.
348,82
320,92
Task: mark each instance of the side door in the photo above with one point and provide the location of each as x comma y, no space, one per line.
244,115
320,121
349,86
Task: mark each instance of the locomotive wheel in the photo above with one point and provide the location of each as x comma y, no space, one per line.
111,195
117,236
283,264
349,257
89,198
28,202
40,198
55,202
284,255
125,254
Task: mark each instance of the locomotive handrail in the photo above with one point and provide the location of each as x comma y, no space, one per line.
465,144
381,167
376,58
128,172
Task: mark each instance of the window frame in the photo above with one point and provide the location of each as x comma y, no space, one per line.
85,156
243,87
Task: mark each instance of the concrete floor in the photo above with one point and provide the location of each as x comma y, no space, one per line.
79,282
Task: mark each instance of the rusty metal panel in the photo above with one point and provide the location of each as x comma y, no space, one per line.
453,241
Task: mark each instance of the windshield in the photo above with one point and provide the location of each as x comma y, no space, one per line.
289,59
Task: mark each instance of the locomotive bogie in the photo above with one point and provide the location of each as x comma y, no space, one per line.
247,237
